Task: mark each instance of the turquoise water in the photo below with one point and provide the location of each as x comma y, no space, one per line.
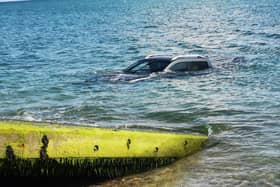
60,59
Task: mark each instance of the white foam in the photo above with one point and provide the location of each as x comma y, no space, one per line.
153,75
210,131
29,118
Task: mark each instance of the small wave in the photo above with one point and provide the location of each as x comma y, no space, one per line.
225,64
210,131
29,118
118,77
21,114
274,36
150,27
25,115
181,116
151,76
171,116
112,77
238,59
248,33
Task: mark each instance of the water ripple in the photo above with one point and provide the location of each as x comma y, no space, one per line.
61,62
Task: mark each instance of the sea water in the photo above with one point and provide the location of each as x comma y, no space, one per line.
60,62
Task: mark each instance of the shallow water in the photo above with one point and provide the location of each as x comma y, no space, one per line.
59,58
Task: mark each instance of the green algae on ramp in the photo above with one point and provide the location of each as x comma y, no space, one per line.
31,143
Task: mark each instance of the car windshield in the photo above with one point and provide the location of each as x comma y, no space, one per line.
148,66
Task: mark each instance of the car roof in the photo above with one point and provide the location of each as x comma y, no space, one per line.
189,57
173,58
159,57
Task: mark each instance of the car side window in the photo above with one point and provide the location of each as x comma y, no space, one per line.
189,66
157,66
179,67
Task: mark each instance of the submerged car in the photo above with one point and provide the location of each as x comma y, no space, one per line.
169,64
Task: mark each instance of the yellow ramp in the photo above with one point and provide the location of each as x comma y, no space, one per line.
30,148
